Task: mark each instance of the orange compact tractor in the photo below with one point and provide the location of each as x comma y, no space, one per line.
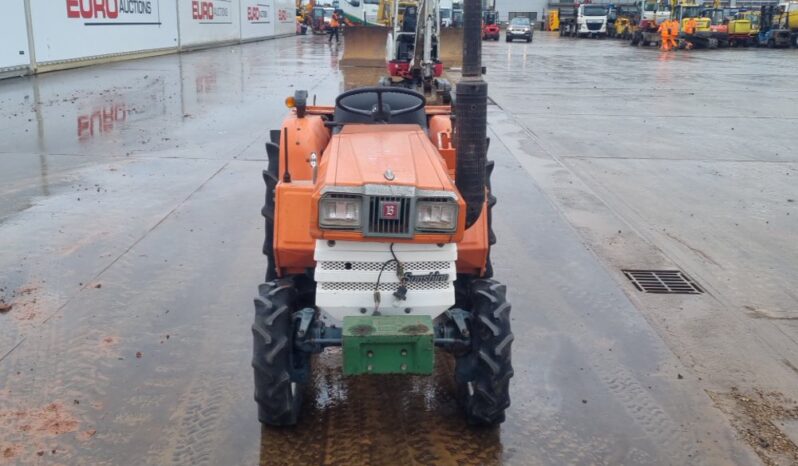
378,234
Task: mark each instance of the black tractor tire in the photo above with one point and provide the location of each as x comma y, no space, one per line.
483,373
279,369
270,176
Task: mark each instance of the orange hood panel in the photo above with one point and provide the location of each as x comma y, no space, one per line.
363,154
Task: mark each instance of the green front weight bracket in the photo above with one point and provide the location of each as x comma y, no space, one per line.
388,345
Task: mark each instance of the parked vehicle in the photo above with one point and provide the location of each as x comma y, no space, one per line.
620,20
702,35
587,20
519,28
644,26
744,28
490,25
779,25
383,253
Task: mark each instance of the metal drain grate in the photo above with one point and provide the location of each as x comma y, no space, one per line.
662,281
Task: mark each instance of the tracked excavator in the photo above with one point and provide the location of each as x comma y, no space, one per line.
378,235
413,46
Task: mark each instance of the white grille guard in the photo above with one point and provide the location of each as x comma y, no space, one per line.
347,272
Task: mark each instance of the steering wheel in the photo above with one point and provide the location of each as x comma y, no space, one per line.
382,112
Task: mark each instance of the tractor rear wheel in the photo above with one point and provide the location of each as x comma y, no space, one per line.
483,374
280,370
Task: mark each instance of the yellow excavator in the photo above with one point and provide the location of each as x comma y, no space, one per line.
744,28
700,35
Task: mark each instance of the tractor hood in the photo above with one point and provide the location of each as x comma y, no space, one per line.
400,155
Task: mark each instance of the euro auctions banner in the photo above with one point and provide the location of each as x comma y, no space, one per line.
13,35
76,29
115,12
209,21
257,19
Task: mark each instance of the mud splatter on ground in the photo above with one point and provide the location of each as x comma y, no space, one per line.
757,416
51,420
10,452
109,342
34,431
21,303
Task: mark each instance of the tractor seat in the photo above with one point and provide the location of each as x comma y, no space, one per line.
368,101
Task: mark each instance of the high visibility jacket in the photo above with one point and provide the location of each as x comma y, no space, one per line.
689,28
674,27
334,21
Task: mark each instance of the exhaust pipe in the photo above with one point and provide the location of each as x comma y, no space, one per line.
471,112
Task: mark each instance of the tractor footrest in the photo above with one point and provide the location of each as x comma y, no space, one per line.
388,345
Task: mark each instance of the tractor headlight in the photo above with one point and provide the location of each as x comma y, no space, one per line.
436,216
340,211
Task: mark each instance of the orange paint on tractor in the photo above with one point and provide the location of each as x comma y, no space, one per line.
425,161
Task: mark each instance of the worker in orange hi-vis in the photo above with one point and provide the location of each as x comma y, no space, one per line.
689,30
664,31
335,23
689,26
674,34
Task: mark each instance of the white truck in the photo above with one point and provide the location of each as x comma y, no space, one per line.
586,20
446,7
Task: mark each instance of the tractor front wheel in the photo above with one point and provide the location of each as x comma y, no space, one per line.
483,374
278,367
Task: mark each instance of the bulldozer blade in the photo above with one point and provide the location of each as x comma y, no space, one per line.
450,50
365,46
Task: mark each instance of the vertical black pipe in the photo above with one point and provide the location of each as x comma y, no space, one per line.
471,110
286,173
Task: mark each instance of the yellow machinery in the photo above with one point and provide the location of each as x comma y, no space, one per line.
696,29
553,20
623,28
787,16
304,12
687,10
744,28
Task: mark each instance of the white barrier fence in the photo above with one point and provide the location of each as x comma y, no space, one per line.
14,53
40,35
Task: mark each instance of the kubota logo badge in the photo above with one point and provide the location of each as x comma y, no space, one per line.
389,210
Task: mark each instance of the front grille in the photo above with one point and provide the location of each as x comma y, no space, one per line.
593,26
384,286
401,226
337,266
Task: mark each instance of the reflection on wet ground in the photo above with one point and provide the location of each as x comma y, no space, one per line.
131,233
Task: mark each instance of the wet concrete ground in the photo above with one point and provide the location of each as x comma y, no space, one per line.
130,240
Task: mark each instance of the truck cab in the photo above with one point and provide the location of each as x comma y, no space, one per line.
591,20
